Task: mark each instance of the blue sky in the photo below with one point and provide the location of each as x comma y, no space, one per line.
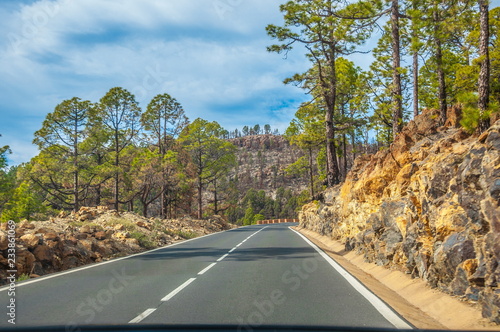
208,54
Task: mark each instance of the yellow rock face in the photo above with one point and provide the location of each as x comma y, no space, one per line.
428,205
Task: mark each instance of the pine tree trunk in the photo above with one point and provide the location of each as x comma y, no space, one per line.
216,206
344,143
76,183
200,189
415,85
397,94
99,186
353,150
163,202
117,175
443,106
415,68
484,74
311,172
332,165
75,193
332,174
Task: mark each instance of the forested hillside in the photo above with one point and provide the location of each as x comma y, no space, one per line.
154,162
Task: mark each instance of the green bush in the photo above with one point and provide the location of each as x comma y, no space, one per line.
144,241
187,235
258,217
470,113
22,277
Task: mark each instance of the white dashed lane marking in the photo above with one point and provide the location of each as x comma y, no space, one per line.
176,291
206,269
139,318
222,257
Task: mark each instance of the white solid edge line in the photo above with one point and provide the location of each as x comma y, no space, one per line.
139,318
177,290
206,269
58,274
377,303
222,257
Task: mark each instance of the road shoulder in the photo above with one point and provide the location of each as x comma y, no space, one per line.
413,299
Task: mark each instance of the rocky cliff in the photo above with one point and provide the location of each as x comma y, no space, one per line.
91,235
262,160
428,205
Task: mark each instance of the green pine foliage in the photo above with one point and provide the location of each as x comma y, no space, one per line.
154,161
24,204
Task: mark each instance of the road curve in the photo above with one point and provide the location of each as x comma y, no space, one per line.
250,276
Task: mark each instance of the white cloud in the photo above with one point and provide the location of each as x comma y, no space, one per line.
212,59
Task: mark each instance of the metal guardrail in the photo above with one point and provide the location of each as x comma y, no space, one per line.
275,221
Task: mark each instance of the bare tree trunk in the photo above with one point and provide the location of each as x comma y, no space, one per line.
397,94
484,74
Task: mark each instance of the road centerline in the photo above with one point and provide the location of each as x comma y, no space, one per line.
173,293
145,314
206,269
220,259
177,290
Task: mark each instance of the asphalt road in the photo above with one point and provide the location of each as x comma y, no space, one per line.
251,276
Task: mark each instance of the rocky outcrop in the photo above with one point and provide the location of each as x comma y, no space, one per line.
92,235
262,160
428,205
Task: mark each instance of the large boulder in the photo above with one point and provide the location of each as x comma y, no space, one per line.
43,253
30,240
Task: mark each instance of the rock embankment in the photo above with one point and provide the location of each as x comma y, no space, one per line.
92,235
428,205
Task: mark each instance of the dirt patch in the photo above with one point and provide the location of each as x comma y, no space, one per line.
413,299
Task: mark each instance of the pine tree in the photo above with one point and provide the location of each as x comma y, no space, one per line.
119,114
319,26
62,133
